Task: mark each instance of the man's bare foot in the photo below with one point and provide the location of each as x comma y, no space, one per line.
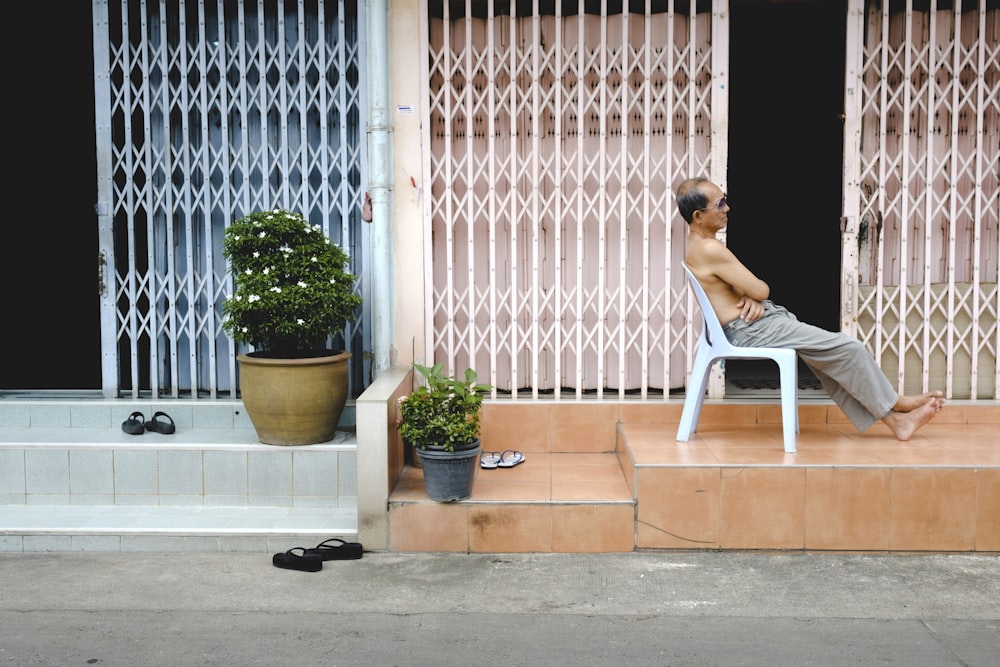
908,403
904,424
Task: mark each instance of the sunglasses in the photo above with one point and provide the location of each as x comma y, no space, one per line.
722,203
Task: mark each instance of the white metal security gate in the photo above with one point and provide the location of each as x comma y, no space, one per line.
556,140
922,191
208,110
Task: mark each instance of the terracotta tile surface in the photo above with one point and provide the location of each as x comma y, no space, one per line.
508,489
986,414
592,528
762,508
847,508
511,528
583,427
932,509
429,527
664,413
679,509
524,427
732,436
988,510
731,487
727,413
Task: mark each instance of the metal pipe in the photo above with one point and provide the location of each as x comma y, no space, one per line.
379,129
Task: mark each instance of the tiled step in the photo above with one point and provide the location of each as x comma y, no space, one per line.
563,502
66,488
731,487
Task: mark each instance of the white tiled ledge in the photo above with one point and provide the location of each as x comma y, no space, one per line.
94,528
175,520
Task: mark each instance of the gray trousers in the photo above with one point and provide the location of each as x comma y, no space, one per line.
843,365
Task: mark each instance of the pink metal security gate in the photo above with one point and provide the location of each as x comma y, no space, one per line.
556,141
922,192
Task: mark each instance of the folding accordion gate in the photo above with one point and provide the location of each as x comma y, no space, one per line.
207,111
556,139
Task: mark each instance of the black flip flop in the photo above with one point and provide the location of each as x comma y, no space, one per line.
165,427
134,424
343,551
293,561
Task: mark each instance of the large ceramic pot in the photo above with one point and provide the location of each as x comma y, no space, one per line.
294,401
448,475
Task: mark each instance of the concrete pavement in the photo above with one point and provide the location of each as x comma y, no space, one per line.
648,608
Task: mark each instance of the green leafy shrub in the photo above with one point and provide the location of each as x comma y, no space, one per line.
443,413
293,287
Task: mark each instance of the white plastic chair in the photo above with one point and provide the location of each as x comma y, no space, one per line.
714,346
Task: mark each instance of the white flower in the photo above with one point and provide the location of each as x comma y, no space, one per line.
256,253
302,284
245,330
314,259
300,321
252,298
276,290
249,272
262,235
267,271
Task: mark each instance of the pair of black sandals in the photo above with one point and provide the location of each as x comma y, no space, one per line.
136,424
311,560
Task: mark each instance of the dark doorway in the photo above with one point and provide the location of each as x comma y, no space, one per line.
51,324
786,149
786,99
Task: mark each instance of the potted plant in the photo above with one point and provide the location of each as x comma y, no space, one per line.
293,292
441,420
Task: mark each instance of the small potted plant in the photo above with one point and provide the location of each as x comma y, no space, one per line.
441,420
293,292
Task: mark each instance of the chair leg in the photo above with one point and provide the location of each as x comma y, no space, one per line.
789,403
693,399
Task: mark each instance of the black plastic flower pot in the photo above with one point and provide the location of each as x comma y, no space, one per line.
448,476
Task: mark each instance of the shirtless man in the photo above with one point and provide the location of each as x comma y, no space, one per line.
740,299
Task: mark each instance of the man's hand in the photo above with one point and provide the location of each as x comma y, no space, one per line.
751,310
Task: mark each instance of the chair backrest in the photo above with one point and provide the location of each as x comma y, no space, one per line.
713,329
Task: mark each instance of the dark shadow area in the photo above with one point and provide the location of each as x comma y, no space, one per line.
786,150
51,331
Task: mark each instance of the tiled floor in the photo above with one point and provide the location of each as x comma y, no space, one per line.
542,477
731,486
951,445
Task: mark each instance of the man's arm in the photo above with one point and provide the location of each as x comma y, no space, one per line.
735,292
727,268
